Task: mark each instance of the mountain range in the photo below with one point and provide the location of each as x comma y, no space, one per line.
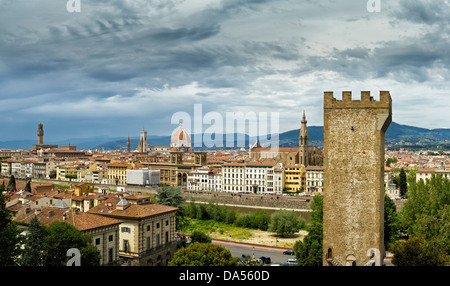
397,134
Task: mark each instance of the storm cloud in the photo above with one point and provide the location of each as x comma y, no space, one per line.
118,66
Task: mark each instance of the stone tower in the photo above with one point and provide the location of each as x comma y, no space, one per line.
128,144
143,144
303,143
353,206
40,134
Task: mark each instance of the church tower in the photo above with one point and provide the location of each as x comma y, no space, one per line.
128,144
303,143
143,144
40,134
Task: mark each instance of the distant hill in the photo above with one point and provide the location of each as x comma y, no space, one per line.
397,134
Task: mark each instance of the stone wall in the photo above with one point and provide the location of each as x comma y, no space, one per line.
263,201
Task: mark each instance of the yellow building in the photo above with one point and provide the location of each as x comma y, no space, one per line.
147,234
83,189
294,178
117,173
66,172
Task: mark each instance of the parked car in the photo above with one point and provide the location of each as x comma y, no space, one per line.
288,252
292,261
265,259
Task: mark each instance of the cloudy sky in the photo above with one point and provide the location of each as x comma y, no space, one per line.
116,67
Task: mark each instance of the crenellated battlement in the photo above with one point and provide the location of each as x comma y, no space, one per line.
366,101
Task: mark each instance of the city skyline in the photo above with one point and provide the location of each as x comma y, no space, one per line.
115,68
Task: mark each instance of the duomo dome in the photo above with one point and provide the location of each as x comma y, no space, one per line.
180,138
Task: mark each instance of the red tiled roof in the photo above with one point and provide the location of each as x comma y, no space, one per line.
81,220
133,210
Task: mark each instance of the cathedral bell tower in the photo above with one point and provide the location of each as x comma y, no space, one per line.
303,143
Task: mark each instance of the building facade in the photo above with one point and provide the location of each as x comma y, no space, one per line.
148,232
294,178
314,180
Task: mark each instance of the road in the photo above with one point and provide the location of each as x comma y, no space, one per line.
237,249
276,254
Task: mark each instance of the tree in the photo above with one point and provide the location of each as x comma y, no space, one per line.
203,254
61,237
11,184
309,251
9,235
28,187
428,203
198,236
33,254
171,196
231,217
285,223
317,208
402,182
258,220
391,221
416,251
191,210
426,213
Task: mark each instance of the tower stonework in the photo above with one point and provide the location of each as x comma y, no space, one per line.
353,207
40,134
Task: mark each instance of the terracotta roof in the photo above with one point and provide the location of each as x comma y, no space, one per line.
234,164
426,171
108,208
265,164
117,165
314,168
280,149
81,220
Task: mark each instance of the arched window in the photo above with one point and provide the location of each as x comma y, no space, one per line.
330,253
351,260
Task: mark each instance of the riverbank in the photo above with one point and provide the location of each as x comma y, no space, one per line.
223,231
265,238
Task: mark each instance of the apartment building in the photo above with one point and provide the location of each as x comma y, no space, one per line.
197,180
253,177
314,180
205,179
233,177
147,234
117,173
294,178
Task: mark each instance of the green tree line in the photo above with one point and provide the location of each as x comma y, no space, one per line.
283,222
